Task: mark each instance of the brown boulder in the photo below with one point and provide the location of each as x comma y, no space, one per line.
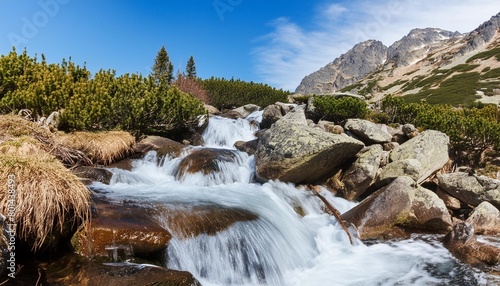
72,270
463,244
188,222
204,160
127,225
248,147
156,143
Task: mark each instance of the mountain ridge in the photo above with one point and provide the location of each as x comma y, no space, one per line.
416,57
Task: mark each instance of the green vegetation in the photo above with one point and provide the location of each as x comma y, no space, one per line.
396,83
223,93
340,109
163,69
470,129
460,89
191,68
369,87
104,102
351,87
486,55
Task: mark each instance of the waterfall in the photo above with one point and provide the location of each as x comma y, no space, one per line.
292,241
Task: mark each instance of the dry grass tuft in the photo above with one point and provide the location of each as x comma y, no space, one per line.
47,195
12,126
101,147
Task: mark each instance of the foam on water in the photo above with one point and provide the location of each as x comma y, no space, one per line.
293,241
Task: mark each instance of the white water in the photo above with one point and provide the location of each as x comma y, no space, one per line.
280,247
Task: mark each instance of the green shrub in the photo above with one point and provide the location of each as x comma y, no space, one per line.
223,93
340,109
470,129
104,102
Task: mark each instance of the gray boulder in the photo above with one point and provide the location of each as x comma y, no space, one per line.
398,206
367,131
271,114
418,157
291,151
360,176
485,219
471,190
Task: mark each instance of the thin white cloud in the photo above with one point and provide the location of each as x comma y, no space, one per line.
290,52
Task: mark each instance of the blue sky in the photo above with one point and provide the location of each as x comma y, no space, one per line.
276,42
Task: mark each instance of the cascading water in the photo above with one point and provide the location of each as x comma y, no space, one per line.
292,241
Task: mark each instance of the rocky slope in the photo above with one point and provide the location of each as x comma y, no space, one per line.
422,65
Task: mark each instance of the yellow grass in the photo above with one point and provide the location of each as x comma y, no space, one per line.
12,127
47,195
101,147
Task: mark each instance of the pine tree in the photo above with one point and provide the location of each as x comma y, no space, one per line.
163,69
191,68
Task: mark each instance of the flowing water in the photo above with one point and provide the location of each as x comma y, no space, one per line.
293,241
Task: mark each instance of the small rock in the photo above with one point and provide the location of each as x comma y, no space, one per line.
248,147
409,130
93,174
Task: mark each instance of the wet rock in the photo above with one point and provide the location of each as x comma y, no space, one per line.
419,157
291,151
485,219
400,206
248,147
245,110
76,271
172,149
472,189
463,244
205,161
125,164
127,225
192,221
367,131
93,174
362,173
154,143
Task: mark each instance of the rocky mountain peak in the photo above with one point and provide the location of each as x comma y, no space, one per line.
482,35
350,67
417,43
421,50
